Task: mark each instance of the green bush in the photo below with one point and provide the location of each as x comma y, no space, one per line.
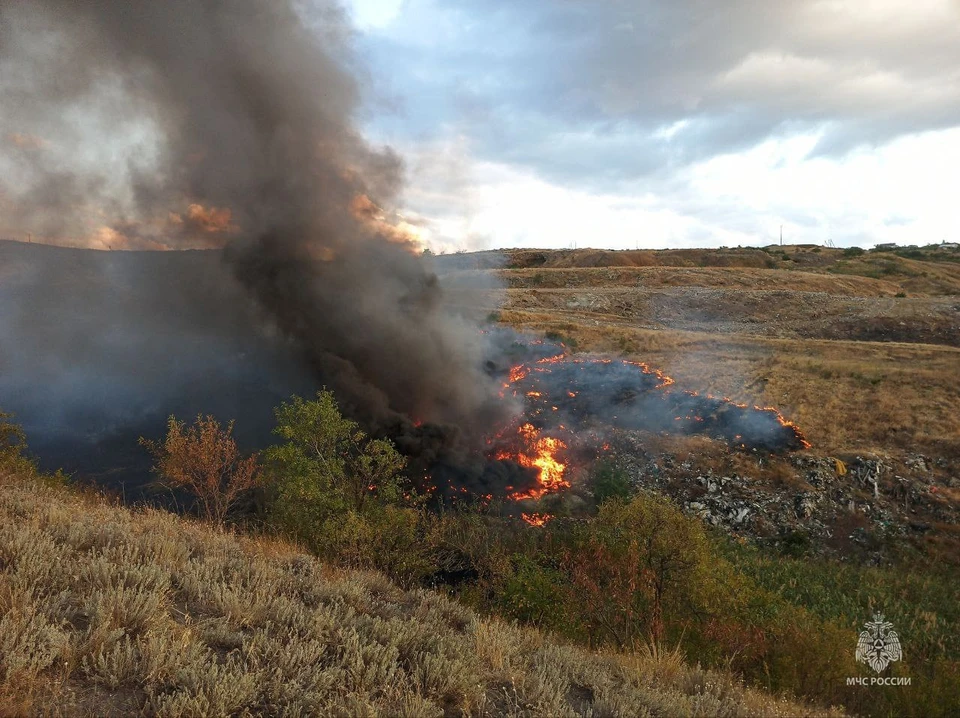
535,594
610,481
853,252
13,453
567,341
638,570
385,538
329,480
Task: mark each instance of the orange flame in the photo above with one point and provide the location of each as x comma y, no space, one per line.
540,453
536,519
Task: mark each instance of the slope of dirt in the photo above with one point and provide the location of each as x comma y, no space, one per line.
656,277
768,312
581,258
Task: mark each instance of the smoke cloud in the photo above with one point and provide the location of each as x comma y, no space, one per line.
142,124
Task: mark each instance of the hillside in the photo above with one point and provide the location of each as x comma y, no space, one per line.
782,554
860,349
111,611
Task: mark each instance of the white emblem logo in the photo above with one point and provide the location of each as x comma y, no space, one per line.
879,644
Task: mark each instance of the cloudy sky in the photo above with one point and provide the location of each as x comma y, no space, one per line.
655,123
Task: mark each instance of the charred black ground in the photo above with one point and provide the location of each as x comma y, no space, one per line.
583,392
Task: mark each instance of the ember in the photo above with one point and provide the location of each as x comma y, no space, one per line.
536,519
595,391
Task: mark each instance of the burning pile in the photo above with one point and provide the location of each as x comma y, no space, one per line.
571,399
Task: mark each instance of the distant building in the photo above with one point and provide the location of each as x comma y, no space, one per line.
948,245
886,245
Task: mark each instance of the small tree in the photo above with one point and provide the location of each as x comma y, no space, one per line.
632,562
13,442
328,468
204,459
610,481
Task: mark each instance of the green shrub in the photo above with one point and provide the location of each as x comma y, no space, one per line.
535,594
610,481
850,252
567,341
331,483
638,568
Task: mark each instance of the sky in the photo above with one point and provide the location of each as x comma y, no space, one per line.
670,123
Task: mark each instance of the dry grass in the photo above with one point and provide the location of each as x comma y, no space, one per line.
779,328
847,396
718,277
927,275
111,612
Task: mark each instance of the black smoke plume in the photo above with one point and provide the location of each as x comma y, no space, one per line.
245,110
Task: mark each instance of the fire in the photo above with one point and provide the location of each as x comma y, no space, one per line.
584,391
536,519
210,219
570,401
539,453
517,373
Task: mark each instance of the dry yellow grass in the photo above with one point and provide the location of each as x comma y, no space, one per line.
847,396
927,274
783,328
108,611
721,277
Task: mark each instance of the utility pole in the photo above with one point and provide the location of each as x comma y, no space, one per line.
781,235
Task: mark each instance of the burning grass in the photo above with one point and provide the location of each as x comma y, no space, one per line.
847,396
571,403
110,612
759,347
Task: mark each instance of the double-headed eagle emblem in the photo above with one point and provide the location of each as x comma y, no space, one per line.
878,645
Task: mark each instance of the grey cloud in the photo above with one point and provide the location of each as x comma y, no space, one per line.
741,72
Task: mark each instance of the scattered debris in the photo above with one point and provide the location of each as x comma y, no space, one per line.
848,505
